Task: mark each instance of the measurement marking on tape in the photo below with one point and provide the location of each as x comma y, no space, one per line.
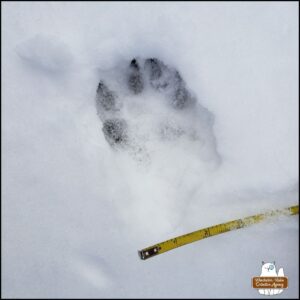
213,230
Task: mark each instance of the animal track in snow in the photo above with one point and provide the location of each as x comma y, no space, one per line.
146,106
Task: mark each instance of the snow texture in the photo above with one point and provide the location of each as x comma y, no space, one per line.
126,124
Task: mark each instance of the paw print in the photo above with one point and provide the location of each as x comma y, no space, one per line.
144,104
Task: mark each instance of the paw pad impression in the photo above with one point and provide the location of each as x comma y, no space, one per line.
145,103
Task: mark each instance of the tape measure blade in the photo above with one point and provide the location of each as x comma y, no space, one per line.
212,231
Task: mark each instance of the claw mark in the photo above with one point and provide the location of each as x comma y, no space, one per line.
155,68
105,98
135,80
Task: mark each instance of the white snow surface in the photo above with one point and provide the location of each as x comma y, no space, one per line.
75,211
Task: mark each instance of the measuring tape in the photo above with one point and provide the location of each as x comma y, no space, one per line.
213,230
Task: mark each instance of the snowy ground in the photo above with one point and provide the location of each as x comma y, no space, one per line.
75,211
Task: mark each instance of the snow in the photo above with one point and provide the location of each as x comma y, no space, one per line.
45,52
75,211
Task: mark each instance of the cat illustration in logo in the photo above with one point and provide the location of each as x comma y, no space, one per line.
269,270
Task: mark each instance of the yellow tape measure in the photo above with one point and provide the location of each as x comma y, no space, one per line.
213,230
